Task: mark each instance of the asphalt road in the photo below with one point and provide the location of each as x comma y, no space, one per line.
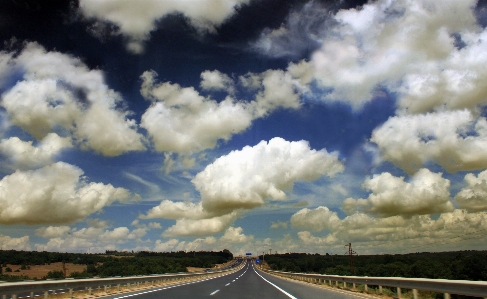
245,283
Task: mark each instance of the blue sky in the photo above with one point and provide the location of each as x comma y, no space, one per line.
299,126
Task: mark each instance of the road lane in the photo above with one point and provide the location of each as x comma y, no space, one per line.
303,290
247,283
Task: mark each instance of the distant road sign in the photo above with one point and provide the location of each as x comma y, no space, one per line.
248,253
257,261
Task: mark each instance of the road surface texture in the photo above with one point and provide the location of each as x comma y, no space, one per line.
249,283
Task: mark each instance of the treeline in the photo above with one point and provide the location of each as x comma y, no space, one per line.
15,257
463,265
140,263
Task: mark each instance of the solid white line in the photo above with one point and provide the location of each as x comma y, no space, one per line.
286,293
214,292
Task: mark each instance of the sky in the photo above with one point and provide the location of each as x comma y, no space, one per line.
248,125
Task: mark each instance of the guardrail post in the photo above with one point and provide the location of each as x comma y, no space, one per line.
398,292
105,288
344,284
89,291
4,296
14,296
380,289
118,287
354,286
31,294
366,288
446,296
70,293
415,293
329,280
46,294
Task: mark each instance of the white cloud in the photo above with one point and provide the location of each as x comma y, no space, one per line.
136,20
60,92
279,90
406,46
234,235
166,246
453,139
182,121
425,193
473,198
303,31
155,225
53,231
25,156
53,194
97,223
9,243
400,235
279,224
200,227
245,179
215,80
176,210
317,220
91,239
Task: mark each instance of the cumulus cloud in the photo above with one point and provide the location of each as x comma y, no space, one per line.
453,139
136,20
244,179
96,239
166,246
180,120
317,220
200,227
235,235
410,47
59,92
473,198
399,234
303,31
25,155
53,231
279,224
279,90
425,193
176,210
215,80
53,194
9,243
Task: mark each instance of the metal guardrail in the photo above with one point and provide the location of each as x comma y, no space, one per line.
458,287
15,288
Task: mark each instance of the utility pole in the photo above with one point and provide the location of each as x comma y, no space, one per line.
350,253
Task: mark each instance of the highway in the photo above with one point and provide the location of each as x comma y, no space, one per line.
248,282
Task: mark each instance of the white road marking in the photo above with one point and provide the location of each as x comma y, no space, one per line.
214,292
227,284
286,293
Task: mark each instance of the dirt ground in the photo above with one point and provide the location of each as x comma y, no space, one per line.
40,271
217,266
